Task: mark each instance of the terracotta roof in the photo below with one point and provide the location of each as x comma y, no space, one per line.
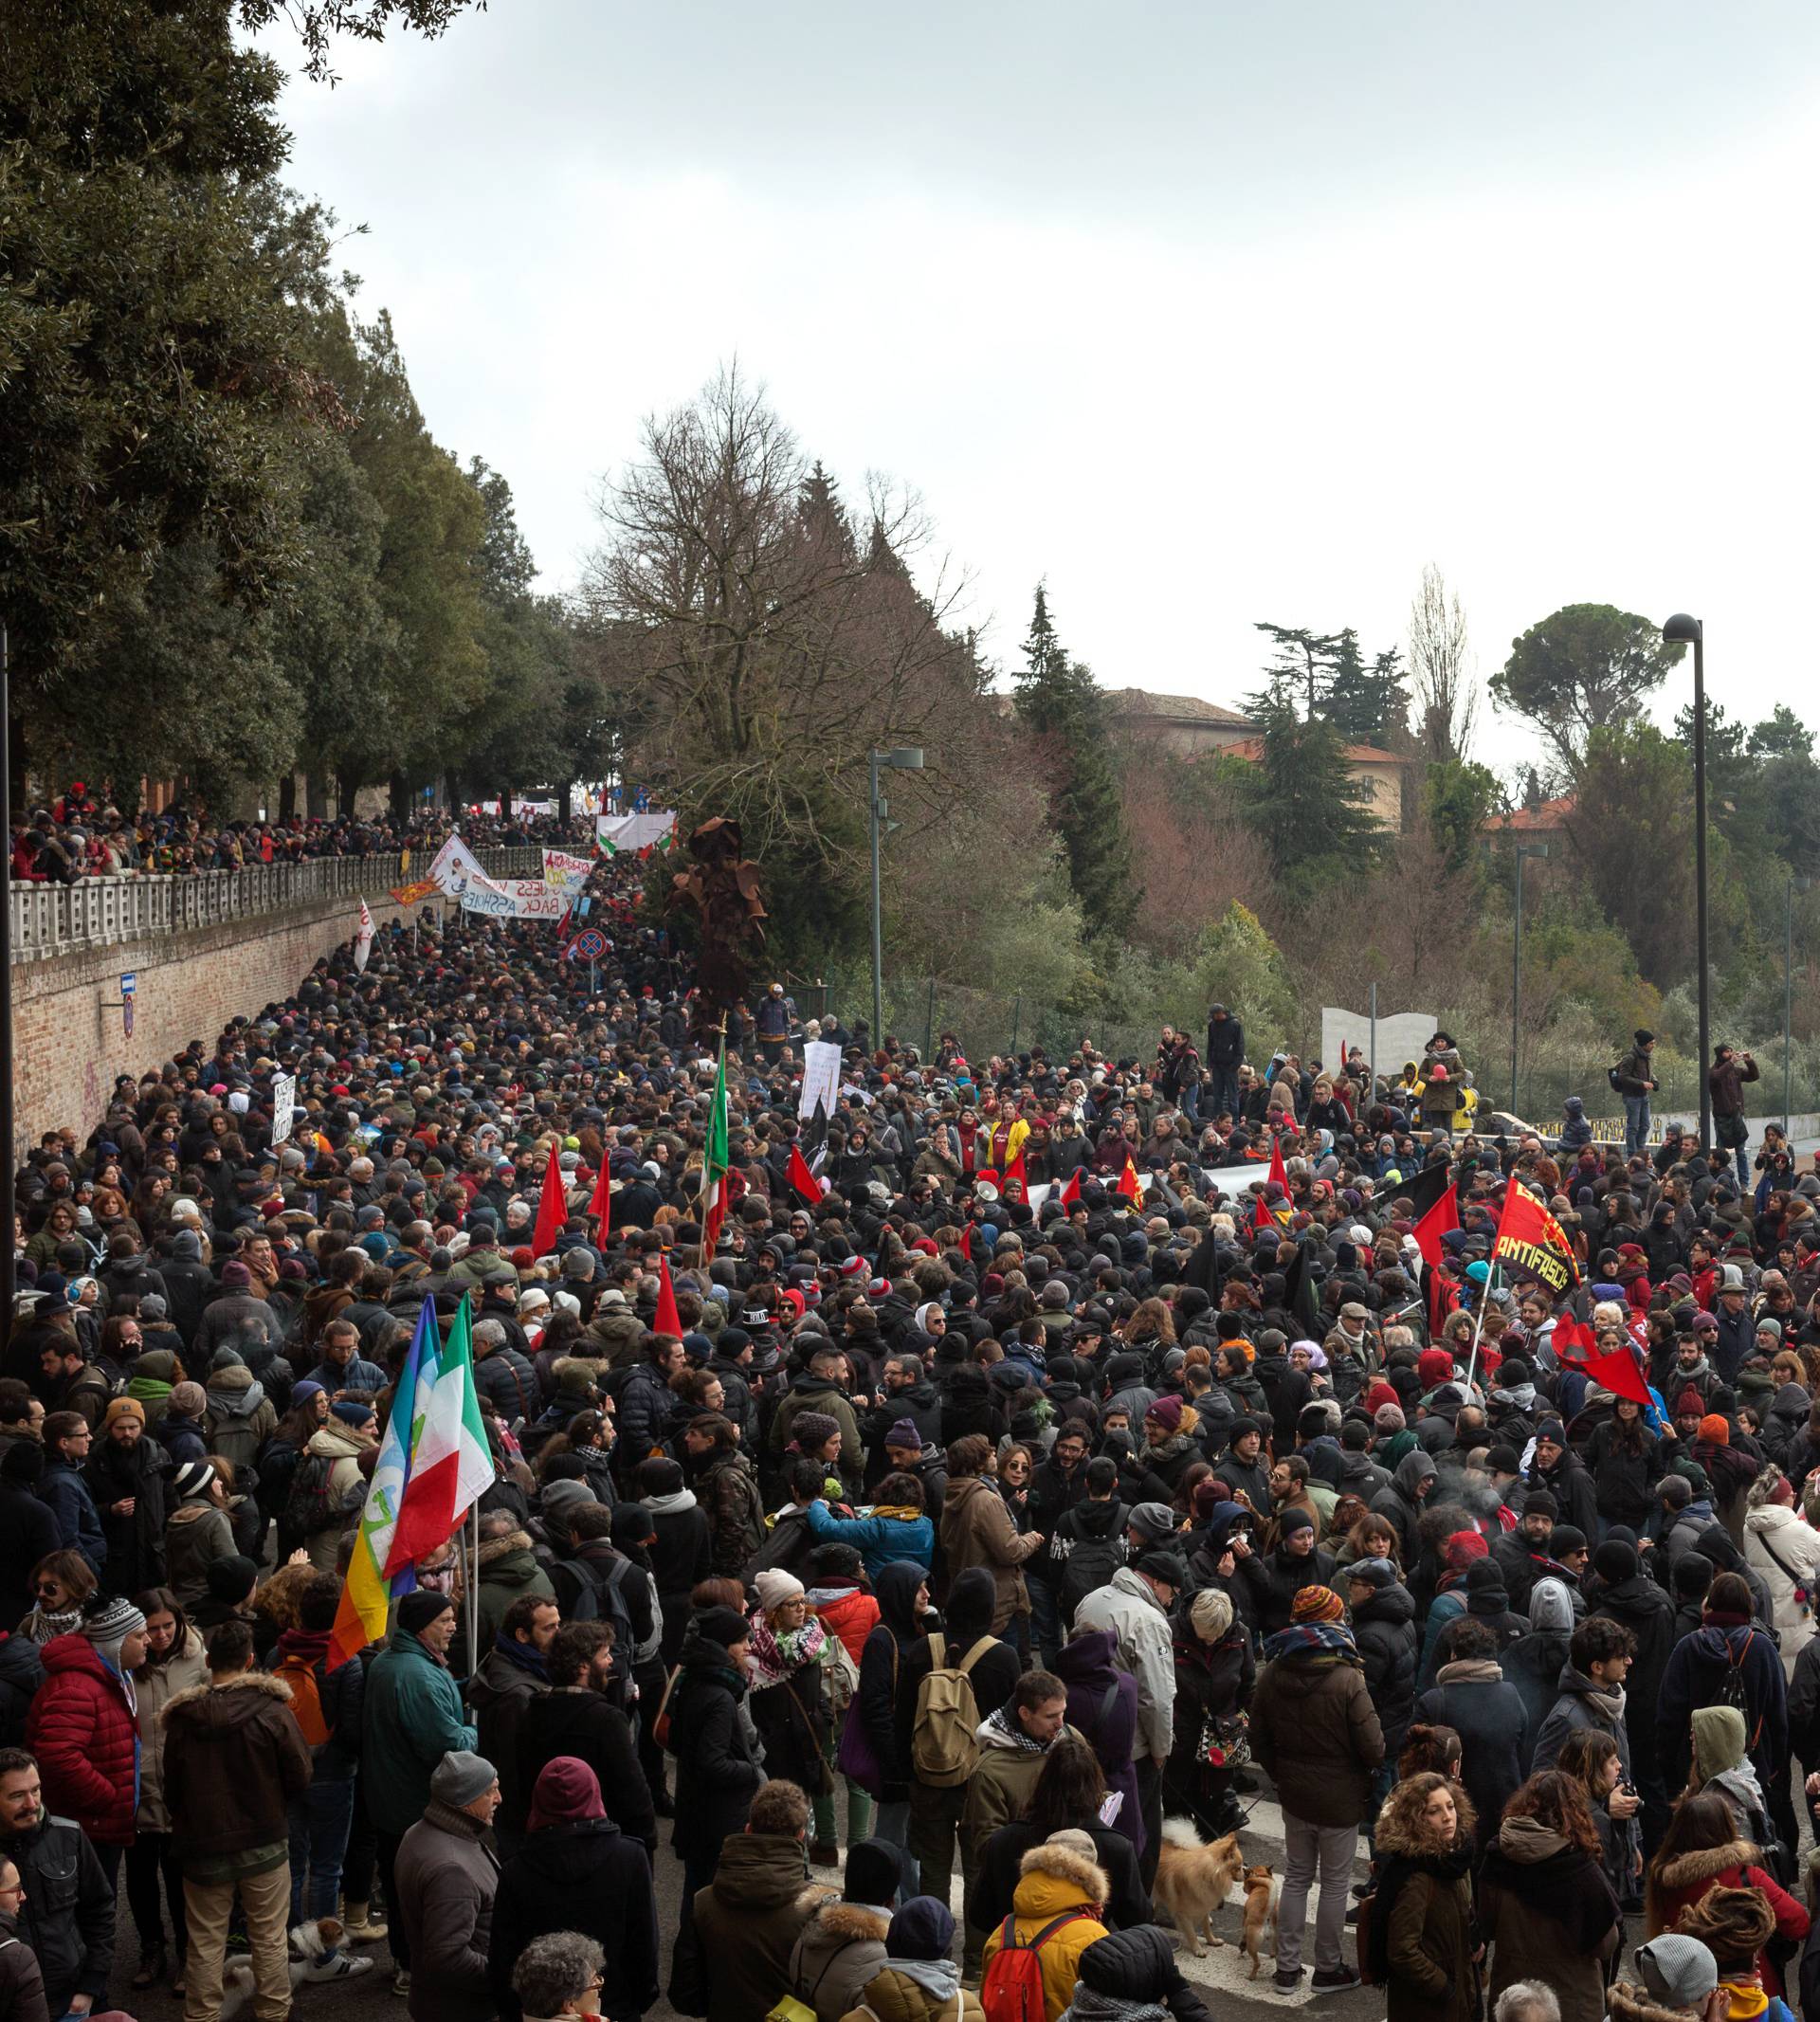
1252,749
1551,814
1179,708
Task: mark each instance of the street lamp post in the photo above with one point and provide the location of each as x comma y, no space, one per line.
906,759
1794,884
1681,629
1524,849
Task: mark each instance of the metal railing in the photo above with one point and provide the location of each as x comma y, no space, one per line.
50,920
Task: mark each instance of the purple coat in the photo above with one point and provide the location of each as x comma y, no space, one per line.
1103,1708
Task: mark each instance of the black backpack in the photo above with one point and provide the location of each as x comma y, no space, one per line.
309,1507
1615,1078
1732,1690
1091,1563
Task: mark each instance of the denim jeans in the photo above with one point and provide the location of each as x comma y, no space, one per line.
1636,1125
320,1821
1046,1621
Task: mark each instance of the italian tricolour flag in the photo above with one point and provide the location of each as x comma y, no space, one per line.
715,1162
451,1465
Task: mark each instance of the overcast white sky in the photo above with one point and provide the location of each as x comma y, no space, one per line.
1207,313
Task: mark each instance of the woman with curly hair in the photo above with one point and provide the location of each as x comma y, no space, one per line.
1421,1937
1544,1900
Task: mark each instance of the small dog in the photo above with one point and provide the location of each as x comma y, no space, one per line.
1263,1890
1193,1878
316,1954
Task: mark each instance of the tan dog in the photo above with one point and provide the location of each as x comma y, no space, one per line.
1262,1891
1193,1878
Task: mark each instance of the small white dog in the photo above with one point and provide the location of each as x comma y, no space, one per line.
316,1954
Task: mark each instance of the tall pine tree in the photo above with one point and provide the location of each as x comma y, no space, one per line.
1059,699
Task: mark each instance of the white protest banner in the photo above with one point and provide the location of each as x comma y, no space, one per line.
363,939
633,831
820,1077
284,1106
564,873
512,899
454,865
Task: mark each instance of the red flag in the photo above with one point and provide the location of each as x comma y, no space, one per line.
1616,1370
1530,1239
801,1179
552,1208
1442,1297
1128,1184
967,1242
600,1206
1440,1219
1279,1171
1015,1171
668,1321
1071,1193
1261,1217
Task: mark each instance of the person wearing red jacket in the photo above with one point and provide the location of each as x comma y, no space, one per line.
83,1728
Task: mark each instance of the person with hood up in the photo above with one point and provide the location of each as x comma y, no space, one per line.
843,1944
1103,1708
1544,1899
1317,1735
198,1532
902,1591
1383,1614
1784,1551
1703,1852
1728,1640
1061,1895
240,1418
1423,1944
1534,1664
1413,1482
1721,1764
1576,1131
919,1980
576,1872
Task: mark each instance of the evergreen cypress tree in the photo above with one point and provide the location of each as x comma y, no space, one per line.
1058,698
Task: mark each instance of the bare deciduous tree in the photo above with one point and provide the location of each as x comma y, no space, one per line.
1447,698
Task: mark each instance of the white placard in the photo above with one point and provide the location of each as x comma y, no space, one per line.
820,1077
454,865
284,1106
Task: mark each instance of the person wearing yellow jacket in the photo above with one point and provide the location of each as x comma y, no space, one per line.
1061,1878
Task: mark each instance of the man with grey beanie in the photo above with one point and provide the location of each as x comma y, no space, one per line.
447,1873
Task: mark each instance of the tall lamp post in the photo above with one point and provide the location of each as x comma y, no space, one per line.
1683,630
906,759
1794,884
1524,849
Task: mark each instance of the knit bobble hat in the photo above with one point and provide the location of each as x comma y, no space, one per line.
1318,1604
109,1622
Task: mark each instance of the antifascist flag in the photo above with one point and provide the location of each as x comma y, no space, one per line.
1615,1370
552,1208
801,1179
1279,1171
1530,1240
814,1136
1440,1220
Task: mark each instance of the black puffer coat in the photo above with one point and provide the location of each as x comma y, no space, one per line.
1384,1628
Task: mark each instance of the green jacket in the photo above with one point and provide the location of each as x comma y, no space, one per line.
410,1718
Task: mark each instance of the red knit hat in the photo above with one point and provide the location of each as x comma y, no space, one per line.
1463,1547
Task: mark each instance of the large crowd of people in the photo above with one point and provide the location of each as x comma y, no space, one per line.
937,1570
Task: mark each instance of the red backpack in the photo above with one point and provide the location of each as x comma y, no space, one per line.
1012,1989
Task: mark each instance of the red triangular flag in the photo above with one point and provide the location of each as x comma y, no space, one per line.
1572,1340
967,1242
1616,1370
1279,1171
667,1320
1440,1219
600,1207
1015,1171
1261,1217
796,1171
1128,1184
552,1208
1071,1193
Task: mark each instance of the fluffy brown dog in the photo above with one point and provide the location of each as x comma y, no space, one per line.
1193,1878
1262,1891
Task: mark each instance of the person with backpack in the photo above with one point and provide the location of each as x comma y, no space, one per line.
1634,1079
1086,1545
328,1487
593,1582
1418,1939
1014,1744
1728,1661
948,1680
327,1707
1032,1960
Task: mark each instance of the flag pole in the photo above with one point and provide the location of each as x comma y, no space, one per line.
1492,1276
474,1594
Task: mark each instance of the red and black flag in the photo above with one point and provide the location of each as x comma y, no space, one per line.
805,1183
1531,1242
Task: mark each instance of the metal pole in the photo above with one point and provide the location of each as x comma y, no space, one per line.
1788,991
1515,978
474,1595
929,1024
1699,875
878,929
1372,1094
6,1000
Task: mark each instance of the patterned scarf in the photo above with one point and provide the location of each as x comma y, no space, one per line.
1003,1727
1301,1636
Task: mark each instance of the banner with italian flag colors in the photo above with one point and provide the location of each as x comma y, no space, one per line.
451,1465
715,1162
367,1594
